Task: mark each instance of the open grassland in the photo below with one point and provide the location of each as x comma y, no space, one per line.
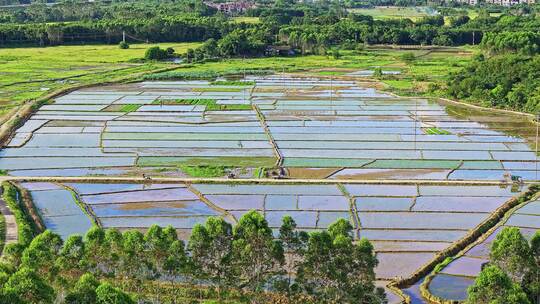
250,20
391,12
28,73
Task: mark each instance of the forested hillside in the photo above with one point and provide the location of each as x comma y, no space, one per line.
507,74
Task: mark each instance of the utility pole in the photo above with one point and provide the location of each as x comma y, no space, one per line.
331,87
415,119
536,146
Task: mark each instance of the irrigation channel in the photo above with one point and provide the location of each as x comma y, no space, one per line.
421,179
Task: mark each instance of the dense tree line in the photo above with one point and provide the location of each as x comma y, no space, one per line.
526,43
509,81
320,267
513,274
311,28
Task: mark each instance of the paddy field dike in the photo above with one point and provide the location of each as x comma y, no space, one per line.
420,178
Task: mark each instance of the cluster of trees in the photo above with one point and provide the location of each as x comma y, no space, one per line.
238,42
157,53
513,274
320,267
182,28
69,10
312,27
526,43
509,81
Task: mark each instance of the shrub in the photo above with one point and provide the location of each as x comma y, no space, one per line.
123,45
156,53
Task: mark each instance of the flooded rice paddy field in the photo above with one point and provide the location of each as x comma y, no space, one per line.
315,128
452,282
408,224
312,128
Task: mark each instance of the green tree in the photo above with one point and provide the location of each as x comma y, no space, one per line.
94,248
336,270
156,53
84,291
408,58
157,246
133,263
123,45
210,246
257,256
71,260
511,252
26,286
107,294
493,286
41,254
113,246
294,243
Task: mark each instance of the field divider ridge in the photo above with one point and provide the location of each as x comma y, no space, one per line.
424,287
471,237
262,119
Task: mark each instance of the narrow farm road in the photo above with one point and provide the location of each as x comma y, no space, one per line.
108,179
12,231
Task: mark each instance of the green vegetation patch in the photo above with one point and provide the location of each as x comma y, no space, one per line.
211,104
205,74
2,232
324,162
233,83
228,161
204,171
127,108
436,131
414,164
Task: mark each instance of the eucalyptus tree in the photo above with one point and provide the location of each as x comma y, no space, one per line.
335,269
210,247
258,258
494,286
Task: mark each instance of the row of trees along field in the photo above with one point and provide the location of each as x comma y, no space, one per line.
310,27
244,263
513,274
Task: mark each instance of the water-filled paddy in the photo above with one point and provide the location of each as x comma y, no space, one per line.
460,273
314,128
404,237
311,123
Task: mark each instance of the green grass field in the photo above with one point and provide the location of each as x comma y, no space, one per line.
28,73
394,12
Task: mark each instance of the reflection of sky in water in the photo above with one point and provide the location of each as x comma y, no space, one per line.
356,123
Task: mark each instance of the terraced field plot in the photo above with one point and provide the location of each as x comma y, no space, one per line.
408,224
315,128
452,282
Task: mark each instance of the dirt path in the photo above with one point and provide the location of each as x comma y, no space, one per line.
157,180
12,231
